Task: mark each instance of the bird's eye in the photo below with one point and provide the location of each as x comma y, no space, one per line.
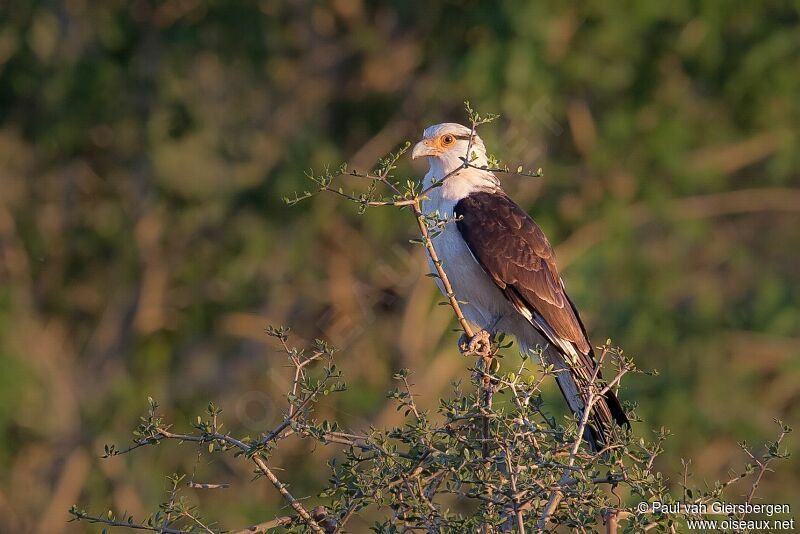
448,140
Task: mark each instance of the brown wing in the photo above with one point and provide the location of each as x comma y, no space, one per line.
514,251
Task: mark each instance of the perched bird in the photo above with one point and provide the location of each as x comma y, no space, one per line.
501,264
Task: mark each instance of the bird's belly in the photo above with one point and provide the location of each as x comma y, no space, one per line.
486,306
485,303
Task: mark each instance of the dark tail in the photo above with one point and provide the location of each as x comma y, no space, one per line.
606,412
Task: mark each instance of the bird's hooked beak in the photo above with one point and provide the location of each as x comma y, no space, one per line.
423,148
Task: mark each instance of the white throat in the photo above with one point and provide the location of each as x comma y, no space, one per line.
458,182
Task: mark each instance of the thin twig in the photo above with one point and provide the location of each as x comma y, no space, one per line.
593,396
437,263
266,525
80,516
262,466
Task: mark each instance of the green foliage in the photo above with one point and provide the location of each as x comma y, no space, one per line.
468,464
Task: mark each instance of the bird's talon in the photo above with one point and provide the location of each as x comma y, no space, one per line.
480,344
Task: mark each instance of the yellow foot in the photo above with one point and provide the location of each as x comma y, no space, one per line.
480,344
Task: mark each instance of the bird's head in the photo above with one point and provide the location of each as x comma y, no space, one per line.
445,145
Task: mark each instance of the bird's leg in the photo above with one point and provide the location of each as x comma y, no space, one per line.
480,344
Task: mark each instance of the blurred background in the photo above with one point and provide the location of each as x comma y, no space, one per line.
145,147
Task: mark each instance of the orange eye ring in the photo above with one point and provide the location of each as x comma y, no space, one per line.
447,140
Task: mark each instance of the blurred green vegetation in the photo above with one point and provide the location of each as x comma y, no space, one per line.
145,147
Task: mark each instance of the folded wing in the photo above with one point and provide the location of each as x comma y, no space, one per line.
516,254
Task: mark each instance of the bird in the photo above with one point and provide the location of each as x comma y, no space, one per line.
501,265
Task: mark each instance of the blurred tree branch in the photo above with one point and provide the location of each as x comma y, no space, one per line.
773,199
